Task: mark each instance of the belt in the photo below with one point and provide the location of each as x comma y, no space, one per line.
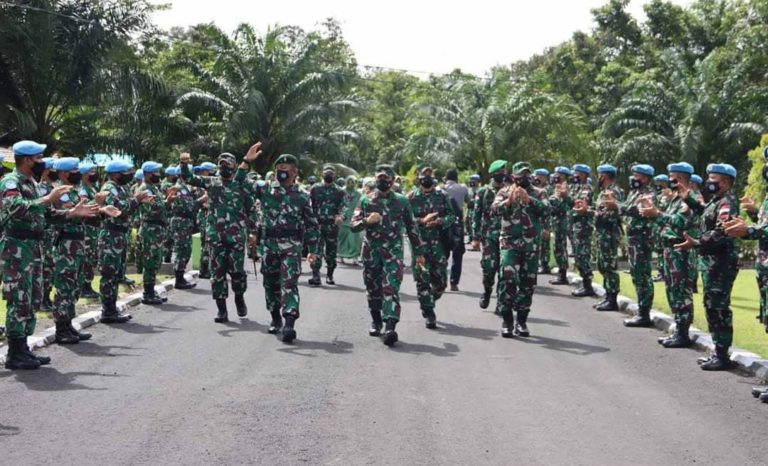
71,235
18,233
283,233
117,228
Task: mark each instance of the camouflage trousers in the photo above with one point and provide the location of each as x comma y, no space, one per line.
693,269
281,269
22,284
150,236
561,244
228,258
678,285
327,247
433,278
112,249
69,256
607,257
382,275
545,248
582,247
640,260
490,261
182,245
90,252
718,275
517,280
762,285
205,254
48,237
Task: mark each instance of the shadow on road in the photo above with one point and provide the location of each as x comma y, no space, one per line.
200,291
8,431
469,332
48,379
245,325
141,329
332,347
553,322
169,307
342,287
90,349
572,347
448,349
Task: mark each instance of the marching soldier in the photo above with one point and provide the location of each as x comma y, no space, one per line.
205,169
183,210
328,205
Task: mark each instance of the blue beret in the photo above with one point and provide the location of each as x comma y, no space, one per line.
85,167
680,167
26,148
563,171
697,179
66,164
541,172
474,177
580,167
610,169
151,167
208,166
118,166
139,175
661,179
644,169
195,169
48,162
173,171
722,169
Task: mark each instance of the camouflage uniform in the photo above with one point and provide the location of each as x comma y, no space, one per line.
153,232
184,210
560,211
547,220
761,264
608,229
170,240
432,278
69,255
91,230
582,227
48,265
327,203
485,228
662,203
639,247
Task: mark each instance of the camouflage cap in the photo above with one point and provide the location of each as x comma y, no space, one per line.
227,157
519,167
329,168
425,170
287,159
385,169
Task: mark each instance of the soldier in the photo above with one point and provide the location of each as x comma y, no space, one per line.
328,206
433,214
458,197
718,261
229,204
23,213
87,192
289,223
183,211
661,185
167,181
485,230
560,210
673,222
541,181
383,215
695,186
608,228
473,185
45,185
206,169
136,224
582,227
521,208
154,226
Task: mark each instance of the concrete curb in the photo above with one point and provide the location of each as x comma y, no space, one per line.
746,361
87,319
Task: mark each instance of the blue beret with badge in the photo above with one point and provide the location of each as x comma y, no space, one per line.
661,179
139,175
697,179
118,166
607,169
197,169
28,148
173,171
208,166
721,169
643,169
680,167
86,167
563,171
66,164
151,167
581,168
541,172
48,162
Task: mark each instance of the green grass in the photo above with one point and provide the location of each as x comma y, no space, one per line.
749,334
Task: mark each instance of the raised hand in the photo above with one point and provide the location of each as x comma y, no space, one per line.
736,227
110,211
253,153
100,197
373,218
83,210
748,204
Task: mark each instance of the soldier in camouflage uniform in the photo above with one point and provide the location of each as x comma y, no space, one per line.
673,222
154,228
383,215
661,184
328,205
87,192
168,181
206,169
608,229
183,213
45,186
138,255
560,208
639,240
230,199
433,213
695,187
521,208
473,186
582,216
541,181
288,223
485,230
718,260
115,234
23,215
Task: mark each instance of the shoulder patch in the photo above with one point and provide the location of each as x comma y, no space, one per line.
11,184
114,191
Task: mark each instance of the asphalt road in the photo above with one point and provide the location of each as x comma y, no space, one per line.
175,388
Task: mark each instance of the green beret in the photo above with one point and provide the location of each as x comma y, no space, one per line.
519,167
385,169
496,166
287,159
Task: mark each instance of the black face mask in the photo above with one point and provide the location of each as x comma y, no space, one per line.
712,186
471,184
634,183
765,174
383,185
499,178
226,172
53,176
93,178
427,182
282,175
37,170
674,184
524,182
328,178
575,179
124,179
154,179
536,182
658,188
74,178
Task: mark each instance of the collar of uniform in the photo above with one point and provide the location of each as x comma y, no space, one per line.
22,177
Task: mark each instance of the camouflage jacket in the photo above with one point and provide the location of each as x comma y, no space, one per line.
154,214
88,194
184,209
676,219
559,208
122,199
605,218
520,224
761,234
423,204
582,192
396,216
327,202
713,240
67,201
484,224
287,218
19,209
638,226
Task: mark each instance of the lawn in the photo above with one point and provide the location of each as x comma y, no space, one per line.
749,334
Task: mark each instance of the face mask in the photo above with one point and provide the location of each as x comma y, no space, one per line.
472,184
125,178
634,183
536,182
154,178
658,188
37,170
328,178
74,178
93,177
53,176
524,182
383,185
499,178
674,184
226,172
282,175
575,179
712,186
427,182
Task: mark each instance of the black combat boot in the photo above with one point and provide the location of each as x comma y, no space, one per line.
242,309
757,391
88,292
610,303
82,336
508,325
376,323
46,305
561,279
63,335
289,333
150,297
110,315
430,319
182,283
390,335
221,316
329,278
43,360
679,339
585,289
277,322
642,319
17,357
315,280
521,327
485,299
720,361
764,397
